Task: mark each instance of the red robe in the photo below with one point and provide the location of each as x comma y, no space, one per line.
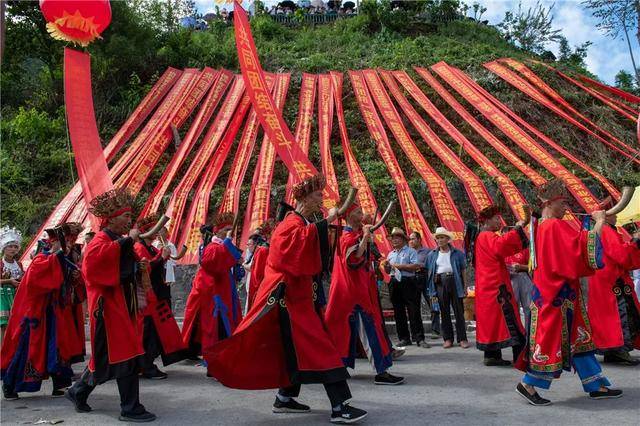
258,266
559,324
213,308
612,285
157,314
108,300
282,340
30,349
70,320
354,291
497,316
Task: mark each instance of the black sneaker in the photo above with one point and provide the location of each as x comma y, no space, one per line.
609,393
57,393
291,406
388,379
495,362
404,343
155,375
534,399
423,344
143,417
81,406
9,395
621,358
347,415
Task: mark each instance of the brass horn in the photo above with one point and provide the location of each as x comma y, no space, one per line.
181,254
385,216
625,199
156,228
351,198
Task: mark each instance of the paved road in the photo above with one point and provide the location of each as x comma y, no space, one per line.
443,387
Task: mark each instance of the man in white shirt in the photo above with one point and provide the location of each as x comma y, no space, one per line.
170,263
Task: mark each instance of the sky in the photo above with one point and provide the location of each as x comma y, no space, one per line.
606,56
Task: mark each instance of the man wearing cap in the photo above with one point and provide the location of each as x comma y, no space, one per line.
415,242
613,306
160,332
560,335
36,345
213,308
402,264
353,313
445,267
284,329
112,275
497,317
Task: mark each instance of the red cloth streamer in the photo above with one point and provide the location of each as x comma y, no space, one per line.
413,219
517,135
74,196
365,196
93,172
210,142
197,215
325,124
197,127
613,90
512,195
443,204
525,87
271,120
258,206
493,102
303,123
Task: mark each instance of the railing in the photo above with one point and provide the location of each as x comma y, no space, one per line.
309,18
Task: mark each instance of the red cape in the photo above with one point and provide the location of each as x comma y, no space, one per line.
610,283
495,301
282,339
258,266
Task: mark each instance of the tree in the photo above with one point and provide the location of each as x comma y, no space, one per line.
624,81
617,18
530,30
575,56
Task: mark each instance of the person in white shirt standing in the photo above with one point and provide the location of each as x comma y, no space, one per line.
170,263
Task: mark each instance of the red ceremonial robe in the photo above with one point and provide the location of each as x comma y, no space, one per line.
497,316
213,307
70,319
354,302
559,324
613,305
282,340
258,266
30,350
156,325
108,267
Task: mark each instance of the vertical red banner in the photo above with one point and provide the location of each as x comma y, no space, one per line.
325,124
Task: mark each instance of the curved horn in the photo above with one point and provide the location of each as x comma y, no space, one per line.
625,199
180,255
384,217
156,228
351,197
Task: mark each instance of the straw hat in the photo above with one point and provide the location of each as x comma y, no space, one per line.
444,232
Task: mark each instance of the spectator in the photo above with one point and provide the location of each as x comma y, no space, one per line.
170,263
402,264
415,242
11,273
445,267
518,266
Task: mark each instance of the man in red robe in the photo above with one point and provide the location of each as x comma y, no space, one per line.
257,264
112,274
497,316
613,305
213,309
37,345
560,335
282,342
159,331
353,313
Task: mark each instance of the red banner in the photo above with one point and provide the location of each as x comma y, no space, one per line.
365,196
197,215
74,196
303,123
414,221
522,85
197,127
211,140
483,93
271,120
512,195
618,106
613,90
259,204
83,131
443,204
325,124
517,135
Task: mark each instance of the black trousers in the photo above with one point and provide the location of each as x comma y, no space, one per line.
128,387
448,298
406,298
497,354
338,392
